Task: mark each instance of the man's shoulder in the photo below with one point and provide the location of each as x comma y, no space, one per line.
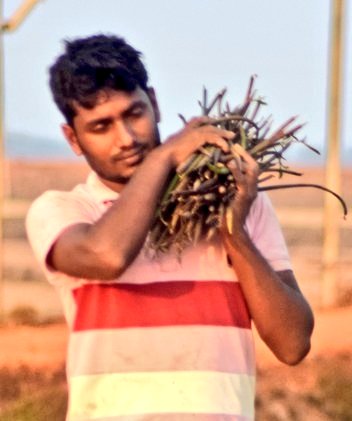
58,200
78,192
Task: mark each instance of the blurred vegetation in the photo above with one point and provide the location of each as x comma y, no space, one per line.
321,391
27,395
27,315
335,390
48,404
24,315
314,390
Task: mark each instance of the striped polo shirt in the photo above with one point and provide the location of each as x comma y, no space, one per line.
170,339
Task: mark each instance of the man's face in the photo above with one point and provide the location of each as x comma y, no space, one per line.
116,134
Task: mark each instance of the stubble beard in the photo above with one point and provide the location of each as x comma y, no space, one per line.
107,175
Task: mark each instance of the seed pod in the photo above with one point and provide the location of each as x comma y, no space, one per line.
207,174
229,219
217,169
212,220
222,189
211,233
197,232
221,211
210,196
196,184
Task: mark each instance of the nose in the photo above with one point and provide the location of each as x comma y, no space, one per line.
124,136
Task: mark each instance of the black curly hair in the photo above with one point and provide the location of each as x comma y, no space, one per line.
93,64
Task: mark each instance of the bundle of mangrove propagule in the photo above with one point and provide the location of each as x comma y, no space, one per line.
202,188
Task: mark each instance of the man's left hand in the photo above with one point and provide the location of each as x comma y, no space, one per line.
245,171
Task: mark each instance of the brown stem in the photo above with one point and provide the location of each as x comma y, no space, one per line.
288,186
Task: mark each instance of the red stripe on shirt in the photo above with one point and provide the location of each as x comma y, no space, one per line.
172,303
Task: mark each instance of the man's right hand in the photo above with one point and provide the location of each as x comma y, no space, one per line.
196,133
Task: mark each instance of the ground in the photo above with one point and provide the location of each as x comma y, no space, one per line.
32,357
314,390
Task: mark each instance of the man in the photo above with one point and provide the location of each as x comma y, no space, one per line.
162,338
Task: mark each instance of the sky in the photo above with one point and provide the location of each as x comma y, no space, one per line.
186,45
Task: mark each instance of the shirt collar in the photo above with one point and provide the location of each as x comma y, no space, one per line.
99,190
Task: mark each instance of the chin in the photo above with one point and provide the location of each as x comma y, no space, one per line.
115,175
120,178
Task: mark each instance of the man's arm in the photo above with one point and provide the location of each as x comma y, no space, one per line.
105,249
282,316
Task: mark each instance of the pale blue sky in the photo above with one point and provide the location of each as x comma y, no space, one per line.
186,44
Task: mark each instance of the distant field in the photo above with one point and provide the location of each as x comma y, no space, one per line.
27,179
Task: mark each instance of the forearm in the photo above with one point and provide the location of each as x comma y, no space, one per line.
103,250
281,314
121,232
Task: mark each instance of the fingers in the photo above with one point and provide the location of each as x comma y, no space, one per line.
205,123
215,136
217,139
245,171
196,133
243,165
198,121
200,131
251,165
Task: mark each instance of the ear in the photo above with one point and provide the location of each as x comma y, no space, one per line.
71,138
152,96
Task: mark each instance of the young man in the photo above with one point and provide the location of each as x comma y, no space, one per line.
155,339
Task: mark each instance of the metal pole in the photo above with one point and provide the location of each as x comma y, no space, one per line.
1,167
19,15
9,25
331,242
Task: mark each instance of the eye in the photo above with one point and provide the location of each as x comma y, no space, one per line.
136,112
100,126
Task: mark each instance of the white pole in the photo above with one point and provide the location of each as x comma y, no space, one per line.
6,25
332,211
1,167
19,15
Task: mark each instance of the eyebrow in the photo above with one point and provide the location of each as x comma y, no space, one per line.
107,119
136,104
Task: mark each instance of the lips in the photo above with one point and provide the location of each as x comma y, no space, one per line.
131,157
134,159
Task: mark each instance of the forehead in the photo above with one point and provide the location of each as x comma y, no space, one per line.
109,101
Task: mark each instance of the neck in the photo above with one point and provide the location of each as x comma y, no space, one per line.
112,185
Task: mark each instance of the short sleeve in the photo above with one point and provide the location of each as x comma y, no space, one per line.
265,232
51,214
